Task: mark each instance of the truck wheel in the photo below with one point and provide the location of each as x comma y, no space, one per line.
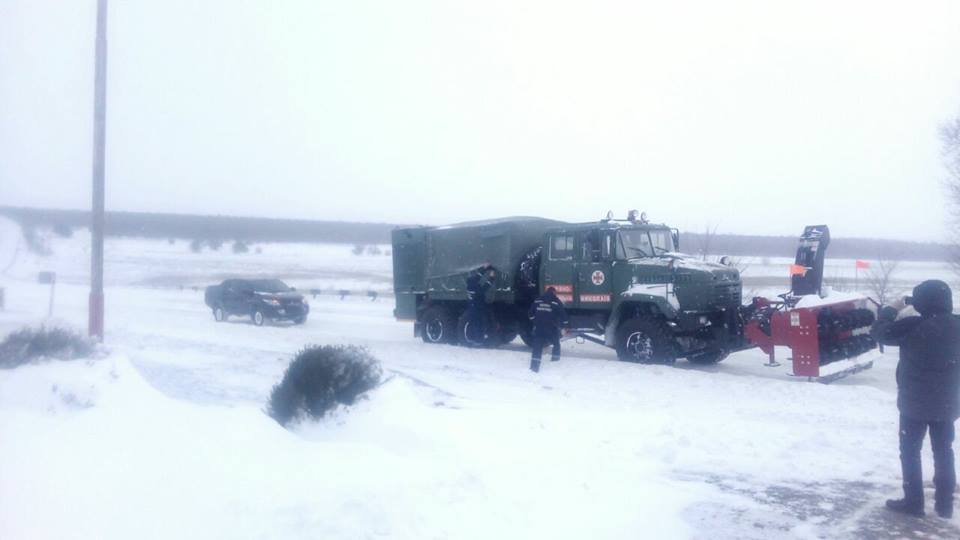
645,341
467,336
438,326
707,358
219,314
300,320
258,318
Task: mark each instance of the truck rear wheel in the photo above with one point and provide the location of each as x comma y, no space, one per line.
439,326
467,335
645,341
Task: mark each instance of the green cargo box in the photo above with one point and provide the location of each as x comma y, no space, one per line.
433,263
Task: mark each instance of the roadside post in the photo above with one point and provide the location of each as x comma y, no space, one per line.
45,278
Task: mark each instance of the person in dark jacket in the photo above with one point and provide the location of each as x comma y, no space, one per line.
478,312
928,391
549,318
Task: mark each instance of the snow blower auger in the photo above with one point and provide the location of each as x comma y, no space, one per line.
828,335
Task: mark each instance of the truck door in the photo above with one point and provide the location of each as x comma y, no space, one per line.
557,266
593,269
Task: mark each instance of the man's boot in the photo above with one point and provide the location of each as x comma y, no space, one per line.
908,507
944,507
554,358
535,366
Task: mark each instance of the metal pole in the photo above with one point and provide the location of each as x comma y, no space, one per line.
99,151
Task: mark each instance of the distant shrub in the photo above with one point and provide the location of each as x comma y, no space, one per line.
319,379
374,250
63,230
30,344
359,249
215,244
171,241
240,247
36,242
196,245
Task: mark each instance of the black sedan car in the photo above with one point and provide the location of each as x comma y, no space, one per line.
260,299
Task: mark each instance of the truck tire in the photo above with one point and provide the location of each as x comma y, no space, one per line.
438,326
219,314
645,341
707,358
258,317
465,334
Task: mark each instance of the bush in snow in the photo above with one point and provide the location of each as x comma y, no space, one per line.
29,344
319,379
63,230
240,247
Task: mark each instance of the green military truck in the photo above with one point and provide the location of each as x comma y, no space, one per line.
623,282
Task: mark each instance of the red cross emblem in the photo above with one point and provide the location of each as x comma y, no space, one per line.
598,277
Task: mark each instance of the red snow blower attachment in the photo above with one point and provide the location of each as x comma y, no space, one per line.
826,334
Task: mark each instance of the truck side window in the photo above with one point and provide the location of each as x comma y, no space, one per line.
607,250
590,246
561,247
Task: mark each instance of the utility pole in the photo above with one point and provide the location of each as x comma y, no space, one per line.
99,157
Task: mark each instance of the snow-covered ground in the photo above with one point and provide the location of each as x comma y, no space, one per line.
165,437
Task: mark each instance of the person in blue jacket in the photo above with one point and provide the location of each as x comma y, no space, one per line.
928,391
548,318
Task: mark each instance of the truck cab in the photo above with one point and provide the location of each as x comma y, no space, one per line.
610,272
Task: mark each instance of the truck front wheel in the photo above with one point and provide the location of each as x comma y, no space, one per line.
645,341
438,326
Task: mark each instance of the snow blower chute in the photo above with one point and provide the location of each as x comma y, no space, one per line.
828,335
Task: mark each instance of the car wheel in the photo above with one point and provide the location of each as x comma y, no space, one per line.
258,318
300,320
645,341
219,314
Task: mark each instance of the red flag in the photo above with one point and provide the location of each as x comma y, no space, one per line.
862,265
797,270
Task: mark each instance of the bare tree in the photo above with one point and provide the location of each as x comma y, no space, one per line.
879,280
709,231
950,136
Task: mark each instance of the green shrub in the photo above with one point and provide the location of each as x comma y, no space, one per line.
30,344
319,379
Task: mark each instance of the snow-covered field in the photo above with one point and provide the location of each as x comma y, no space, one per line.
165,437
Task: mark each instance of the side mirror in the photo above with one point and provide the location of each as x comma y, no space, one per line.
725,260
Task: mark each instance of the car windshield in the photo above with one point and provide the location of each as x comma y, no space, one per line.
269,285
634,243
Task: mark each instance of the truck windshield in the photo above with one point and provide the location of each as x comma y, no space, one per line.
633,243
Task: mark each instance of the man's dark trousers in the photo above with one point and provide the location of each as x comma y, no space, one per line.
543,337
912,432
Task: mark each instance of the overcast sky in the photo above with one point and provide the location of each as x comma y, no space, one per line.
758,117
